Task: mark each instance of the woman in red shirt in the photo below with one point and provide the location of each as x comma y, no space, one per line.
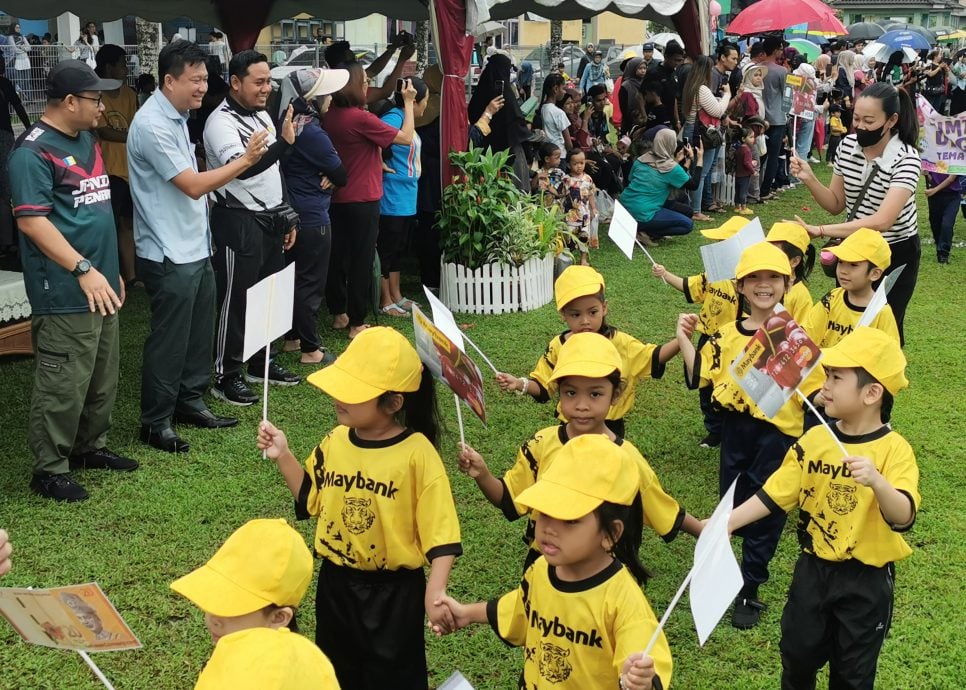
359,137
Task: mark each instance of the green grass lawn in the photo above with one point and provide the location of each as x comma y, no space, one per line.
140,531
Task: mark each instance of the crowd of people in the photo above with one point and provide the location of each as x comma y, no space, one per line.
326,175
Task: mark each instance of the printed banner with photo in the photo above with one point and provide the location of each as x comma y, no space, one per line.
721,258
77,617
803,93
775,361
448,363
942,140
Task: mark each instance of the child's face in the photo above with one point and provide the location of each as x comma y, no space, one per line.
553,160
750,139
584,402
359,415
219,626
844,398
763,289
856,276
585,314
577,163
569,106
757,79
577,548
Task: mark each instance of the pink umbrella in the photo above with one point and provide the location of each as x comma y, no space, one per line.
778,15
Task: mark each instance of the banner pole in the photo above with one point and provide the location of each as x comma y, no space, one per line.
459,419
268,347
667,613
480,353
97,672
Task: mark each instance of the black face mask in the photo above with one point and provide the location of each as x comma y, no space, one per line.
869,137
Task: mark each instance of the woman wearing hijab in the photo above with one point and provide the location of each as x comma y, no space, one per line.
845,82
654,175
631,96
595,73
508,126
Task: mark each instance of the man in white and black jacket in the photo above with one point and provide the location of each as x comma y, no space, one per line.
250,222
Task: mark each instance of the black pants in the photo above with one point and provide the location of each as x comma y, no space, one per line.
392,242
370,625
354,231
906,252
751,449
246,250
427,248
310,254
775,137
837,613
712,416
177,352
943,209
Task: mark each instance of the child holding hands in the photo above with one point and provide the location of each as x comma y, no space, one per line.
385,509
852,513
579,612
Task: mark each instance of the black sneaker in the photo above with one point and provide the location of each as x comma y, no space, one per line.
233,390
60,487
711,441
277,375
102,459
747,613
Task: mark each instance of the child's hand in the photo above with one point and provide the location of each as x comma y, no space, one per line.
863,470
458,614
471,462
638,672
508,382
686,325
658,270
441,618
271,440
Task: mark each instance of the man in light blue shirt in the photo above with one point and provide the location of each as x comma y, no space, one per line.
173,246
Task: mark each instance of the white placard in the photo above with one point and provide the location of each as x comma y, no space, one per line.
721,258
268,311
623,230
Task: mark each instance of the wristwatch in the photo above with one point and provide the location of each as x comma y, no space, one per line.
82,267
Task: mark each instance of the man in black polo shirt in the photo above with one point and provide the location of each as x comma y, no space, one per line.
665,74
68,245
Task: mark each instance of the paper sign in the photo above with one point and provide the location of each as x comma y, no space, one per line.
443,319
803,92
78,617
775,361
880,298
721,258
448,363
457,681
940,140
716,578
623,230
268,310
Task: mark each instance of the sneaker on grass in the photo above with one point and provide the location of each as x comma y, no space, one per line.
233,390
59,487
277,375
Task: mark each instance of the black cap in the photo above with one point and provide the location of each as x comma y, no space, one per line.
648,46
73,77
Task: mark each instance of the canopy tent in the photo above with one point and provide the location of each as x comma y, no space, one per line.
453,20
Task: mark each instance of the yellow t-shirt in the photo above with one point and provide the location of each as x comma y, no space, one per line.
798,302
719,301
382,505
258,658
833,317
713,362
661,512
838,518
577,635
638,361
118,113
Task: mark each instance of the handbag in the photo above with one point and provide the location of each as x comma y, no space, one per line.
828,260
709,129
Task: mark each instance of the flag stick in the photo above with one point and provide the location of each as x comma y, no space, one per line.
646,253
480,352
794,128
268,347
828,428
459,419
667,613
97,672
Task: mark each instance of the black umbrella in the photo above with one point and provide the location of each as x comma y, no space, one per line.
925,33
865,31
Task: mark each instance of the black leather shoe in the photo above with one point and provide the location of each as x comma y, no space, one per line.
164,439
205,419
102,459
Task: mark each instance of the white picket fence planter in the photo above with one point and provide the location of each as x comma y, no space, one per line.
498,288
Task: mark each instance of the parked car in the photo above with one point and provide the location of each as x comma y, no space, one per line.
615,56
539,57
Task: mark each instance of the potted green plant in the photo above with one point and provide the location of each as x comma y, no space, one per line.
497,244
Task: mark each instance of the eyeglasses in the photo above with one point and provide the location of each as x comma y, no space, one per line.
99,100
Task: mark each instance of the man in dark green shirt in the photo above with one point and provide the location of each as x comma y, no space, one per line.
68,244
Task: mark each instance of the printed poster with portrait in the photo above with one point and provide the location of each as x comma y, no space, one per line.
775,361
448,363
77,617
804,91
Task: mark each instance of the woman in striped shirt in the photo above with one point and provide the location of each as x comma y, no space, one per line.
885,136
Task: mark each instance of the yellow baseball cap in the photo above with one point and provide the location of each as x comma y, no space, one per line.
728,229
586,354
793,233
587,471
377,361
263,562
873,350
266,659
574,282
762,257
865,245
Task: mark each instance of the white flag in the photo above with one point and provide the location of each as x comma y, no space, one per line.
623,230
715,578
268,312
443,318
457,681
880,298
721,258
